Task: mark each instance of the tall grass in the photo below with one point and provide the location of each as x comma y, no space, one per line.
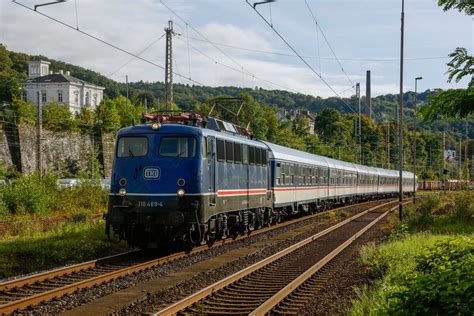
429,271
64,244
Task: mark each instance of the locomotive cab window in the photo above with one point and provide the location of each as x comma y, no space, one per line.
177,147
132,147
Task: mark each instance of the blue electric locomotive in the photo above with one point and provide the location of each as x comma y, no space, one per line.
185,179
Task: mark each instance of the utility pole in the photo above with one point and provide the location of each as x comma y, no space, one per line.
368,96
415,113
388,144
400,120
359,124
460,158
444,160
169,65
126,84
39,132
466,139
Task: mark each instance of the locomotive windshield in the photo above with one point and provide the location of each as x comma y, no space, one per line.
184,147
132,147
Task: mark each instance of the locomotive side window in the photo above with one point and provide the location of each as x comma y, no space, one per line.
237,153
204,148
179,147
245,154
132,147
264,157
251,155
258,156
220,150
229,151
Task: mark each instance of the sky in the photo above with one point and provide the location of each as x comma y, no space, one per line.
226,43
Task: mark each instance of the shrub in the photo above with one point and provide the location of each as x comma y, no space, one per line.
420,217
463,206
57,117
442,282
29,194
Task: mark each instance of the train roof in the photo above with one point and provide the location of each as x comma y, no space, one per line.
289,154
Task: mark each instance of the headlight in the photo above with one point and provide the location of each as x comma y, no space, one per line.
180,193
122,192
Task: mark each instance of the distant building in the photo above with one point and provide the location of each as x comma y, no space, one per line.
289,116
450,155
60,87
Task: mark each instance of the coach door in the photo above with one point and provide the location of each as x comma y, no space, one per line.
211,159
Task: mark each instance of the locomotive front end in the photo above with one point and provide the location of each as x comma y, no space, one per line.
155,183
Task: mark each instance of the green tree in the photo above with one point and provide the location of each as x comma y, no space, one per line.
108,114
57,117
459,103
10,86
24,112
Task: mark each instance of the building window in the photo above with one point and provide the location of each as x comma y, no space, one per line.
60,97
88,98
76,97
95,100
43,97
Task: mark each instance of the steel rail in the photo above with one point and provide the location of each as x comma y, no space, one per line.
273,301
47,275
73,287
203,293
30,279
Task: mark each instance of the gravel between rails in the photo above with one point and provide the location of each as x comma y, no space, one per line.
154,302
85,296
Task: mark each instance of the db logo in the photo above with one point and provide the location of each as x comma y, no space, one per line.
151,173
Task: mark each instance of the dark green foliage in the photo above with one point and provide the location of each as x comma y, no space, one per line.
460,5
449,104
443,282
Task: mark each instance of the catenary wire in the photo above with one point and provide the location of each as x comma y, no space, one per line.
299,56
327,42
104,42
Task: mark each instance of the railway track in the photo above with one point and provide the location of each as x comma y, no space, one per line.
284,282
31,290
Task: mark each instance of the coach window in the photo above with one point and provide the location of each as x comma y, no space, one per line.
220,150
278,173
245,154
132,147
229,151
258,156
237,153
251,155
291,172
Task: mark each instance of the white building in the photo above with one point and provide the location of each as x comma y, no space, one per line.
60,87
